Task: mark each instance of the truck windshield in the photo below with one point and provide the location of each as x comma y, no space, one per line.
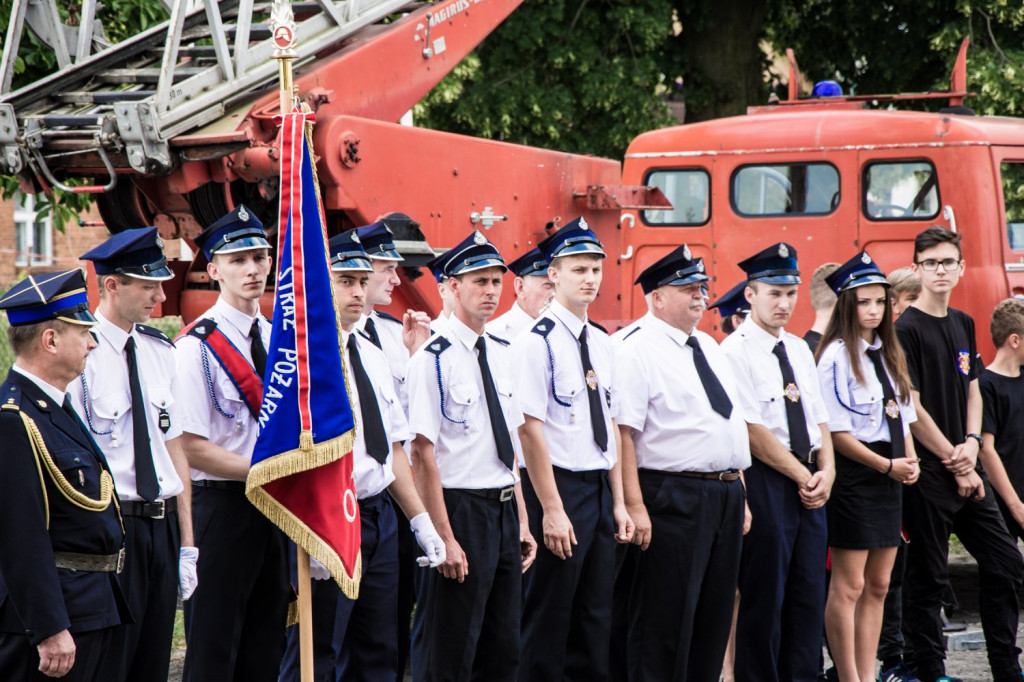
1012,173
901,190
785,189
687,189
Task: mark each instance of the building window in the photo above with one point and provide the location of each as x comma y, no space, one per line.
901,190
785,189
689,191
33,233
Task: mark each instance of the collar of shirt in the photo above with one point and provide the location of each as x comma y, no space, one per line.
875,344
674,333
55,393
460,331
562,314
764,340
112,333
236,317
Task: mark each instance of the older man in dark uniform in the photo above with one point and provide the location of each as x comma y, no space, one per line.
61,535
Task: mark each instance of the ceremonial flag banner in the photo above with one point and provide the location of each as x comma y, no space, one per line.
301,474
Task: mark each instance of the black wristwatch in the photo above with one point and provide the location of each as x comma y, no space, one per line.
981,443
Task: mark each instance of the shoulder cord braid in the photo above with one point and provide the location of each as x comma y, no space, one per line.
66,489
88,412
440,388
551,363
209,382
835,388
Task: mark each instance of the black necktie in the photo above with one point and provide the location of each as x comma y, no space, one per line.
371,331
374,438
891,407
720,402
259,351
799,440
145,472
498,426
593,395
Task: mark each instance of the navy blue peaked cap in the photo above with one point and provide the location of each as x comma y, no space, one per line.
379,241
347,252
532,262
570,240
135,253
732,302
676,269
239,230
474,252
50,296
856,272
774,265
437,263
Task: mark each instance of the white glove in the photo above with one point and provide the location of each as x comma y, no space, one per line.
317,571
188,578
428,540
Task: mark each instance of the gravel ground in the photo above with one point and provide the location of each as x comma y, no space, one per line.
972,666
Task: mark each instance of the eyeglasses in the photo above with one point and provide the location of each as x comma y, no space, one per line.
930,264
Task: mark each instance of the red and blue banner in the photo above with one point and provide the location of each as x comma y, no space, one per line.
301,474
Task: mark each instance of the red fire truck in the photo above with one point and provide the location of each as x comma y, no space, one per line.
177,126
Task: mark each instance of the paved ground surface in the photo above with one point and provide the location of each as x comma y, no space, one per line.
972,666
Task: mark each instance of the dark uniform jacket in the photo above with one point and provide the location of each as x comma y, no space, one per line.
36,598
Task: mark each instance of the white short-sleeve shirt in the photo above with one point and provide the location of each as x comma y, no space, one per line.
389,331
854,407
223,419
108,412
661,397
511,324
761,391
449,408
552,387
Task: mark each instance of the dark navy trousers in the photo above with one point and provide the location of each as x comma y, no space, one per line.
782,583
356,640
470,630
567,612
686,579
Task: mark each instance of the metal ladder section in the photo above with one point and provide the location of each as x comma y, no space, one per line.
131,98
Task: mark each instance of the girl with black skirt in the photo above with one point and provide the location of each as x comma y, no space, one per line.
866,388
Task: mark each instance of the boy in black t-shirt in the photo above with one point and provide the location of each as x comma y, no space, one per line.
1002,424
950,495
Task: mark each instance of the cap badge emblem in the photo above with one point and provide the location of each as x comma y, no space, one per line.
686,252
892,410
159,243
479,238
583,224
355,238
793,393
243,215
783,251
591,380
865,258
700,266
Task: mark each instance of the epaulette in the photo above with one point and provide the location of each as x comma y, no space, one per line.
595,324
634,330
202,328
499,339
386,316
438,345
12,400
154,332
544,326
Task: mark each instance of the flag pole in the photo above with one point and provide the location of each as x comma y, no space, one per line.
283,24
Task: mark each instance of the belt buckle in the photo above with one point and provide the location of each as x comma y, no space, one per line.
722,474
161,505
120,561
506,494
811,456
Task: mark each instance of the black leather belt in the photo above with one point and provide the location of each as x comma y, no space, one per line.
728,475
236,486
150,510
94,563
499,494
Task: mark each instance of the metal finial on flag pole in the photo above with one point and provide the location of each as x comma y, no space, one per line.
282,22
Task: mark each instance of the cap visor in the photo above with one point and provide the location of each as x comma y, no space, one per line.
580,249
866,280
777,279
244,244
479,265
160,275
357,264
388,254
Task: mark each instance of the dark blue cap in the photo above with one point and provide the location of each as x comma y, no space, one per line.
51,296
732,302
856,272
135,253
774,265
437,263
532,262
347,253
472,253
676,269
239,230
379,241
572,239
